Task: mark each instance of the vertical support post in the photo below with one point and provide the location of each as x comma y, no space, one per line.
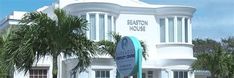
118,75
140,63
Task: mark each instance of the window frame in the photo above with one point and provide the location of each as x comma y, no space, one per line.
93,27
44,72
179,72
109,26
102,33
162,29
150,74
100,74
186,32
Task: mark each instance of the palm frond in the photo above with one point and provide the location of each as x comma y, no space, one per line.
108,47
37,35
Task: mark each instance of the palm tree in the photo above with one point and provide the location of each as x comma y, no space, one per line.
212,56
212,62
38,35
108,47
229,65
4,73
228,45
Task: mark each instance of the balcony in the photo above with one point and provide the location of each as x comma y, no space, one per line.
175,54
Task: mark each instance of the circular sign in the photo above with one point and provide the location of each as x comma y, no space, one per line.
126,55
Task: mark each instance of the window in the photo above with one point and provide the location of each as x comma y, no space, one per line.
180,74
186,29
109,27
38,73
92,27
150,74
171,29
102,74
174,29
83,17
101,27
114,25
143,75
162,30
179,29
106,25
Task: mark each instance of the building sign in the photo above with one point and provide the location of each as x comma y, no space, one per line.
137,25
127,55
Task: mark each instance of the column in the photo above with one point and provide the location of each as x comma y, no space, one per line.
190,31
109,29
165,73
112,27
106,26
97,26
166,31
175,29
88,31
183,30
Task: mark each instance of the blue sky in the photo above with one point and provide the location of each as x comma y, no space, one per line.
213,19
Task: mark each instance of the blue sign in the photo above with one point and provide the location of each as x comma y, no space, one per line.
128,56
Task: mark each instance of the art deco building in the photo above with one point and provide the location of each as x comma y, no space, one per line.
166,30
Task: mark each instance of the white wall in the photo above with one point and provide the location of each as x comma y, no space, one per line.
150,36
43,62
200,76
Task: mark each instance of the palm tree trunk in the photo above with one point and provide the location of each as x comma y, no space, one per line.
55,67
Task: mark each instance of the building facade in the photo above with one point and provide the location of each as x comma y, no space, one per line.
166,30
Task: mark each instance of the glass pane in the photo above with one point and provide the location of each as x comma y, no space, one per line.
92,27
175,74
162,30
108,74
97,74
30,72
185,74
83,17
101,27
45,72
181,75
35,72
109,27
114,24
179,29
171,29
40,72
186,29
150,74
103,74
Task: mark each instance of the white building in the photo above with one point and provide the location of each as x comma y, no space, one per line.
166,30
